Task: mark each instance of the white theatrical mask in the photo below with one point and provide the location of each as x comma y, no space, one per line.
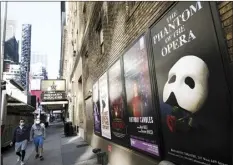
188,80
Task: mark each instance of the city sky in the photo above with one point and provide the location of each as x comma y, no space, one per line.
46,29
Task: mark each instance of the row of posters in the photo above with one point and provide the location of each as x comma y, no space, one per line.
190,78
129,121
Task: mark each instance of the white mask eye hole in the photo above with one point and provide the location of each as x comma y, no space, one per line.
172,79
190,82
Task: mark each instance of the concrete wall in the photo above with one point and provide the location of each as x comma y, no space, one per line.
121,25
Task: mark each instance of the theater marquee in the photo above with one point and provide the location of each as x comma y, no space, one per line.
53,85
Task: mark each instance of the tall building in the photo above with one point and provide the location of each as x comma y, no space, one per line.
11,51
11,26
12,72
25,55
38,72
63,38
38,69
39,57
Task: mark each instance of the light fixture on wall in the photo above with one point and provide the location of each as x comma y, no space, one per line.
89,94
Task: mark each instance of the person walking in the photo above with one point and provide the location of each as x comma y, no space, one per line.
20,139
37,134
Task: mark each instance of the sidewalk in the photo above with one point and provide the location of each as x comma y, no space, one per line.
59,150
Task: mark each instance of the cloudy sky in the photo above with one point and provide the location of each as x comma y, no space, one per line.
45,20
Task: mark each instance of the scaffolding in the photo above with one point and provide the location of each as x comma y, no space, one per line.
25,55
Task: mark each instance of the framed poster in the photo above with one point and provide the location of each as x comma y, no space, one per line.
104,106
96,109
141,113
192,86
117,108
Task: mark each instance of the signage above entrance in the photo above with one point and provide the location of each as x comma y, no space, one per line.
53,96
53,85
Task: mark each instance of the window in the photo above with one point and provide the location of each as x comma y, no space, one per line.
75,9
101,41
101,36
84,14
86,54
80,79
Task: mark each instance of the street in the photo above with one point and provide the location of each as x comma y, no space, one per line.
58,150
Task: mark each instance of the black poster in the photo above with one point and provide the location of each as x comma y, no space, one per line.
117,109
191,86
96,109
141,114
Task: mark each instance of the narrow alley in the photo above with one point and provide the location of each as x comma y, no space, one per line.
58,150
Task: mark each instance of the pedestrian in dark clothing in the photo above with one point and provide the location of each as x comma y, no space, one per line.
20,138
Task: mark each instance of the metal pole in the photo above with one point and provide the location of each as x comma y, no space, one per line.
0,85
1,62
3,43
1,89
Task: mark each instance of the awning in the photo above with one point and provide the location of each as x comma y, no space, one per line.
37,112
57,112
15,93
54,102
54,105
20,106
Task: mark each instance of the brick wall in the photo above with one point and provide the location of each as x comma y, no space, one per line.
226,12
120,29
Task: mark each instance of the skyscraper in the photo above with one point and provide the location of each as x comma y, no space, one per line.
25,55
11,26
11,51
38,57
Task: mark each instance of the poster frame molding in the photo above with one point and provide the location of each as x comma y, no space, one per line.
222,44
227,65
108,108
127,144
93,110
144,34
154,92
